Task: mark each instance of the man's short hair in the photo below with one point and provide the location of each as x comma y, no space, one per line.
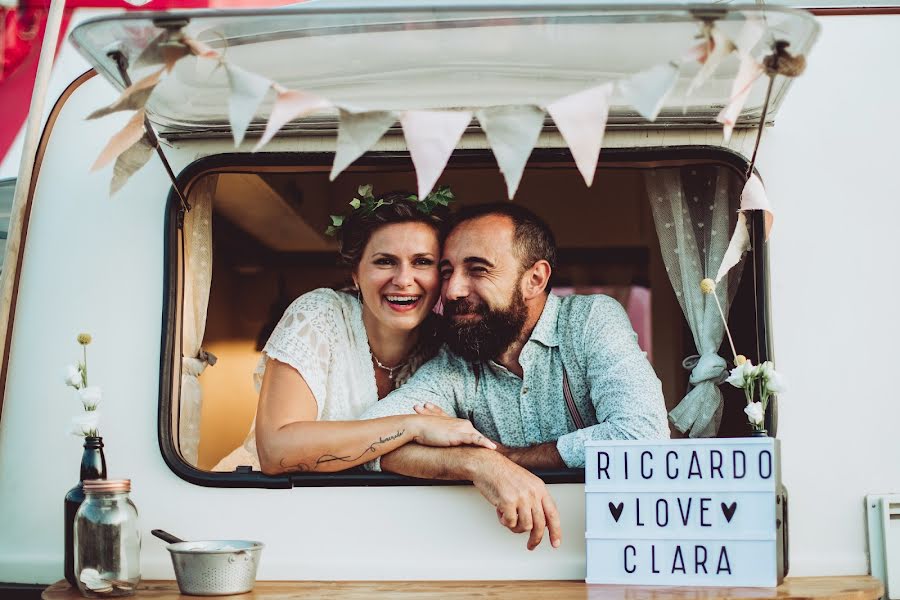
532,238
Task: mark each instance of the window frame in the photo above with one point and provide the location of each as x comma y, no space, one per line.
640,158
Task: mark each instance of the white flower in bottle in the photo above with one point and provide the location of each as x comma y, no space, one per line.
72,376
741,374
754,412
90,397
86,423
773,380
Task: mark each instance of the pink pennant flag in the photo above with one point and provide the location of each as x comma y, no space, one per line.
721,48
124,139
200,49
737,245
133,97
289,105
581,120
431,137
754,197
748,73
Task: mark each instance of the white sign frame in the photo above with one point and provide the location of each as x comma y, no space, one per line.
692,512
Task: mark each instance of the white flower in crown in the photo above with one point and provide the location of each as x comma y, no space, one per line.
754,412
86,423
742,374
72,376
90,397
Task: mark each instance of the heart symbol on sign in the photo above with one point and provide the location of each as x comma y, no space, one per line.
616,510
728,511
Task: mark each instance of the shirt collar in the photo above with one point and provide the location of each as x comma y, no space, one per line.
545,330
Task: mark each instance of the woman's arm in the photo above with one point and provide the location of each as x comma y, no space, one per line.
289,439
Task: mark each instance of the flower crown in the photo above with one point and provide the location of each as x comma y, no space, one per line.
367,204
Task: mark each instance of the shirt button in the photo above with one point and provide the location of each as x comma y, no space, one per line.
524,390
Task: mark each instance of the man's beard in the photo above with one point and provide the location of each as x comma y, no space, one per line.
488,337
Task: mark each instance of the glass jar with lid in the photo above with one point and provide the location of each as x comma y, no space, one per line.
107,540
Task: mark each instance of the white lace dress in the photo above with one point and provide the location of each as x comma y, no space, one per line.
322,335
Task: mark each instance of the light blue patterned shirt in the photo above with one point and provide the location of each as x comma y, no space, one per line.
615,389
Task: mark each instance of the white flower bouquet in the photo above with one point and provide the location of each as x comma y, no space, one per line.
87,422
759,382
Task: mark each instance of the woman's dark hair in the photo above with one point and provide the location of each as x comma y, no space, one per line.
359,225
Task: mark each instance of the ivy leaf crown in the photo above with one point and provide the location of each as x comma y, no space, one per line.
366,204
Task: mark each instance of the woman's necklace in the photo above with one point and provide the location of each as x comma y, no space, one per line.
390,370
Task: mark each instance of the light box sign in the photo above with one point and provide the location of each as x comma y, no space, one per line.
685,512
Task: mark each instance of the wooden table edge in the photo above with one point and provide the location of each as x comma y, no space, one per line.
857,587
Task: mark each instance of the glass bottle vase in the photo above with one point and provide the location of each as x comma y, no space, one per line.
93,466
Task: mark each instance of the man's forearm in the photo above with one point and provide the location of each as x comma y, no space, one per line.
427,462
542,456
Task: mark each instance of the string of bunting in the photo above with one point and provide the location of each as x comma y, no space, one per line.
432,135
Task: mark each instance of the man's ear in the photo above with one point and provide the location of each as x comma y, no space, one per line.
536,279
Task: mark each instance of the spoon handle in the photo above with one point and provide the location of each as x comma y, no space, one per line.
166,536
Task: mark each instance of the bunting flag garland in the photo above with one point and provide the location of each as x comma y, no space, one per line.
124,139
647,91
133,97
753,197
357,133
512,132
431,136
289,105
581,120
247,93
129,162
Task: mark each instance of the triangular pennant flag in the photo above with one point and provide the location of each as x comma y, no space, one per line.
431,137
721,48
200,49
751,32
754,197
581,120
289,105
647,91
247,93
512,132
123,140
740,243
133,97
161,50
129,162
748,73
357,133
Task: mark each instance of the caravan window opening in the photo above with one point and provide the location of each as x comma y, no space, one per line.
251,261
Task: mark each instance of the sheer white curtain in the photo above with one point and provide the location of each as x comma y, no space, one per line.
197,279
694,210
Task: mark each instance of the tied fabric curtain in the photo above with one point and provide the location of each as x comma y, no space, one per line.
694,211
197,279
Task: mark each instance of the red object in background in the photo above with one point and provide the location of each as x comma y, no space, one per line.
22,34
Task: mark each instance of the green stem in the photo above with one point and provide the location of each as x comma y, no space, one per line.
84,372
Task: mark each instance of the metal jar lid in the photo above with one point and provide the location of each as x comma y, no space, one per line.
100,486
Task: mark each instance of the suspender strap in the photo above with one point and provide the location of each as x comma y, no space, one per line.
570,402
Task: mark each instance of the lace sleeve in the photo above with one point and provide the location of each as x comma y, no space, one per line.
305,339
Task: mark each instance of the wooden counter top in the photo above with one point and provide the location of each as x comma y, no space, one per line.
861,587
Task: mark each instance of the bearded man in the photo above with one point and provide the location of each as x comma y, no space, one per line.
537,373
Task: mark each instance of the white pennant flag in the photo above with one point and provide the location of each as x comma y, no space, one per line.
747,74
356,134
581,120
247,92
721,48
647,91
431,137
740,243
289,105
754,197
512,132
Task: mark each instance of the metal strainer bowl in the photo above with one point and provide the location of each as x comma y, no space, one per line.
215,567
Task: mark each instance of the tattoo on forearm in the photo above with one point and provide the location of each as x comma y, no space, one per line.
303,467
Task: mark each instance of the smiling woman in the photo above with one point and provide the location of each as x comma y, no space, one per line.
333,353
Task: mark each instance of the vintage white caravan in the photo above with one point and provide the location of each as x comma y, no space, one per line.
154,283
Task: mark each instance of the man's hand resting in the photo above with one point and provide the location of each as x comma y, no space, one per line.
522,500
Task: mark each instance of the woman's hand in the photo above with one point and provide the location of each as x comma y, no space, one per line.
430,409
444,431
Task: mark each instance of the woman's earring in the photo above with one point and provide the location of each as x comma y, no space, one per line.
358,293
